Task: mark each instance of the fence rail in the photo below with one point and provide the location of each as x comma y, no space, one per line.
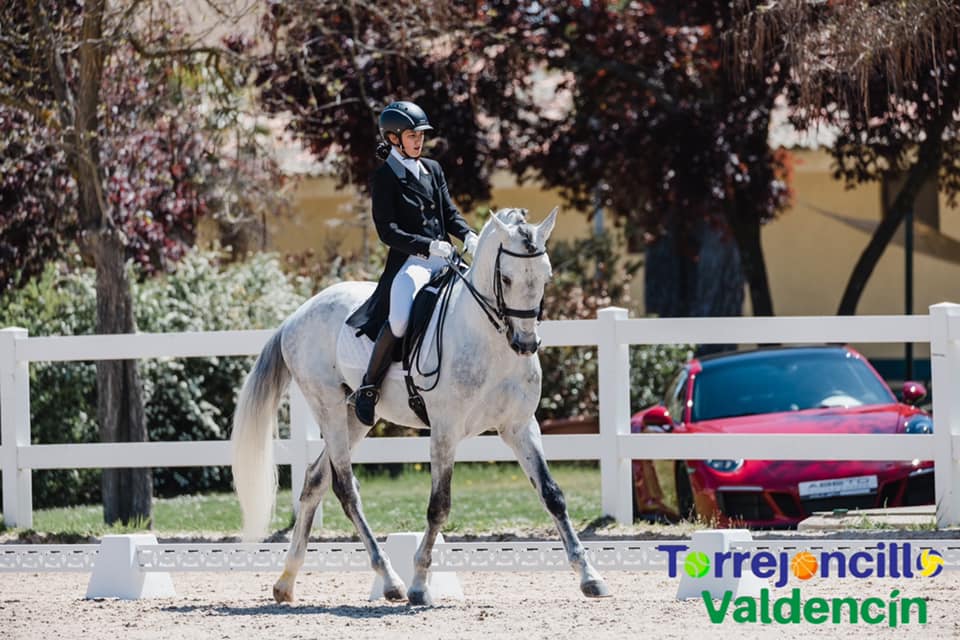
616,555
611,333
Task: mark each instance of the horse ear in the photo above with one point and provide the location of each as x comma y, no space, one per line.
501,225
545,228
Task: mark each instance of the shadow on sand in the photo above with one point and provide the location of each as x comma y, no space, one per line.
342,611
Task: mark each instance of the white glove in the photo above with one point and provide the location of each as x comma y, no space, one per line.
441,248
470,243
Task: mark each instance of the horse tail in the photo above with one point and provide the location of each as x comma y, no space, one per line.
254,427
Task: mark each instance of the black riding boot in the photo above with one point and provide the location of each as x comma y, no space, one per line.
367,395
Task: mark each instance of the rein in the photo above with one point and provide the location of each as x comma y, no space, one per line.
497,313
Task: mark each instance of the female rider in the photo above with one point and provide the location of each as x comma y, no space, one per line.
414,217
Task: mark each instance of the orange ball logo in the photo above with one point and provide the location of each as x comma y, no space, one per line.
804,565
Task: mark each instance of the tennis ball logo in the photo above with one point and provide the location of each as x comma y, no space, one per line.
697,564
930,563
804,565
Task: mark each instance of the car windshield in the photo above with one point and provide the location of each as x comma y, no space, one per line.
785,381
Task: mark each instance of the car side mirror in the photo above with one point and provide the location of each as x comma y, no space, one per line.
657,419
913,392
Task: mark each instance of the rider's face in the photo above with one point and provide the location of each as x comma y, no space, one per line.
412,142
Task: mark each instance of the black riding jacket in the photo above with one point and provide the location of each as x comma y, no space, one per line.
408,214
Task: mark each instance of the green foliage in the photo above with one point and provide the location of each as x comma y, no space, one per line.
194,398
185,399
588,276
63,401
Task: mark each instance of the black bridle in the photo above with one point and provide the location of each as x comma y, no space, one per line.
497,310
497,313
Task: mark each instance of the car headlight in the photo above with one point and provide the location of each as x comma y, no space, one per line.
724,466
919,424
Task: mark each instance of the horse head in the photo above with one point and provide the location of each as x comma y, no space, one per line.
511,268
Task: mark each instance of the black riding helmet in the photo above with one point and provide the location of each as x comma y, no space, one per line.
397,117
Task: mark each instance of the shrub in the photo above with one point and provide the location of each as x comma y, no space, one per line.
63,404
588,276
194,398
185,399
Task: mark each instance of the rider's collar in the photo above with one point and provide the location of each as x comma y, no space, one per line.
411,164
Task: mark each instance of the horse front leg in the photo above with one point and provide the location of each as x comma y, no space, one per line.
526,444
441,472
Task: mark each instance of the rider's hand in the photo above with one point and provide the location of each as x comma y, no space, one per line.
470,243
441,248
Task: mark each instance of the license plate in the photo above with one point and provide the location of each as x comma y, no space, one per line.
856,486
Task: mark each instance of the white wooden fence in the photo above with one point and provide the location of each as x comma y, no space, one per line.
612,333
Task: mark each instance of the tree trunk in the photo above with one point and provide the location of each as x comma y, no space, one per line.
694,273
754,265
127,493
927,165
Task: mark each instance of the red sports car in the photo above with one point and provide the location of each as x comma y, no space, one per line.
788,390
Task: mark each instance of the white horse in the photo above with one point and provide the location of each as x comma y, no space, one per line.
490,378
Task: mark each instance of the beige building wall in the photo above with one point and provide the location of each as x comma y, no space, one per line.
322,216
810,250
810,254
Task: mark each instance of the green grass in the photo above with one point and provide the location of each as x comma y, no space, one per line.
486,498
866,523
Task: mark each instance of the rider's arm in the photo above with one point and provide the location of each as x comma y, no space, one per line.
454,222
385,198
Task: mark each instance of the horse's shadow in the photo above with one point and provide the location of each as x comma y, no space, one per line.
343,611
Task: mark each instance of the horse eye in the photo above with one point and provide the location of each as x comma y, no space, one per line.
507,281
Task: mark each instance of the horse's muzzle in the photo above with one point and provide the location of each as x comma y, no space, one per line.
524,347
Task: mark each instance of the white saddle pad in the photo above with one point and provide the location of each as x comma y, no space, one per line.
353,351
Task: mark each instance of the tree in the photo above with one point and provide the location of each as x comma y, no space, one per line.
650,131
887,74
333,66
660,133
107,150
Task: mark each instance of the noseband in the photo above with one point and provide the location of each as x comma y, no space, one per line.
503,311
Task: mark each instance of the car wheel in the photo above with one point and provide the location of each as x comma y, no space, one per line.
685,503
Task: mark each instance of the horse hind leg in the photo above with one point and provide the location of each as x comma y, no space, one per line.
319,477
315,485
347,490
526,444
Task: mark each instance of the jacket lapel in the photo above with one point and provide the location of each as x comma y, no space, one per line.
408,180
426,179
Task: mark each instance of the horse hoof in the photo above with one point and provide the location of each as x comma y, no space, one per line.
595,589
420,599
282,593
396,594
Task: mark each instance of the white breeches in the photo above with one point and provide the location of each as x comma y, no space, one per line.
413,276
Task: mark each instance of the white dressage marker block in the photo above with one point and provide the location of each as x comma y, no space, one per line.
116,573
400,548
710,542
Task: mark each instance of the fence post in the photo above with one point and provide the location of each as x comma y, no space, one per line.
303,429
14,430
613,378
945,369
